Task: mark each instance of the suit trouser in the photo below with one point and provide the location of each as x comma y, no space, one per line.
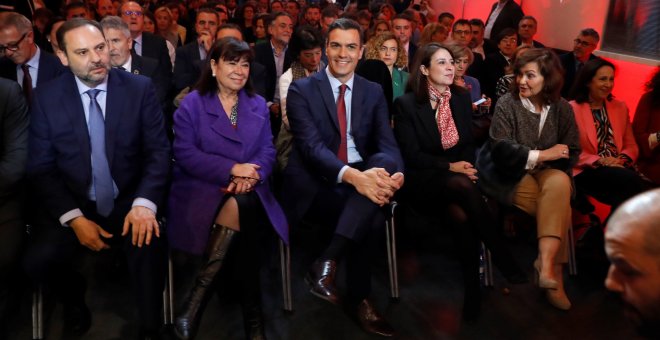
355,217
53,248
546,194
12,233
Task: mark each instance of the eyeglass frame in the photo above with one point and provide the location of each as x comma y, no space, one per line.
13,47
131,13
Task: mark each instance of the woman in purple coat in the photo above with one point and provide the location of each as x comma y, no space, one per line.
223,155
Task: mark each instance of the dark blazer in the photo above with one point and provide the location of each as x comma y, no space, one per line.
205,148
312,113
50,67
263,54
150,67
416,131
412,49
187,66
476,69
493,69
59,162
509,17
568,61
13,145
155,47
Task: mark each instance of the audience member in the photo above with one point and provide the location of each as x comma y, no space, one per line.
439,155
646,127
244,19
23,60
51,31
145,44
83,203
276,6
479,44
585,43
528,159
13,155
104,8
312,16
149,23
190,58
379,27
446,19
364,19
503,84
496,63
259,25
632,242
504,14
526,31
341,174
328,15
461,33
306,46
402,28
606,167
276,57
77,10
433,32
223,109
293,8
387,48
118,37
166,27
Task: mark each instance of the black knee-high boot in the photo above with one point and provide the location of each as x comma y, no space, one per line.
187,322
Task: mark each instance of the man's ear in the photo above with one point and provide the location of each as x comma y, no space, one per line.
130,43
63,58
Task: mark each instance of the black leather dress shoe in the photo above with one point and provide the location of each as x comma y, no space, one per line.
370,320
321,279
77,319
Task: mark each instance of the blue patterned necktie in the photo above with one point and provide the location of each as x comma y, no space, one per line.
103,186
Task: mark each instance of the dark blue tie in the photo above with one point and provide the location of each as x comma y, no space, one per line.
103,186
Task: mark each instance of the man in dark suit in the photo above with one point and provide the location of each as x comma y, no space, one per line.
13,153
98,165
479,44
503,14
402,28
21,54
461,34
274,55
345,165
145,44
583,47
526,30
119,41
191,57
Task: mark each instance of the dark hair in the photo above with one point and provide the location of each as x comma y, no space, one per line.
208,10
364,14
150,15
330,12
550,69
580,89
460,22
51,23
477,22
295,3
240,12
75,5
446,15
507,32
311,6
305,38
529,17
653,86
590,32
263,17
404,16
418,82
224,49
71,25
345,24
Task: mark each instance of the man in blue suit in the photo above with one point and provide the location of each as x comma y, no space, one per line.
344,167
21,54
98,165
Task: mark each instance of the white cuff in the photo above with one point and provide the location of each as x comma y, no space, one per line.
143,202
532,158
341,173
70,215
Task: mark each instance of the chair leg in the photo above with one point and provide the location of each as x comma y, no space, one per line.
37,313
572,263
168,294
487,266
285,264
391,253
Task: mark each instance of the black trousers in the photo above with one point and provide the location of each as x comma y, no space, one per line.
355,217
611,185
52,249
12,234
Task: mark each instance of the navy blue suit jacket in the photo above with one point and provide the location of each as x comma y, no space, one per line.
312,114
59,161
49,67
263,54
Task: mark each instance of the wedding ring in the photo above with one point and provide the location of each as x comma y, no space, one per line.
564,152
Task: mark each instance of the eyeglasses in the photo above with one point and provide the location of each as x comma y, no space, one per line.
12,47
129,13
582,43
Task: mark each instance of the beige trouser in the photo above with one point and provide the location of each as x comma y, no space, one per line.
546,194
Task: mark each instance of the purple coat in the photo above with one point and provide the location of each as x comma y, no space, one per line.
206,146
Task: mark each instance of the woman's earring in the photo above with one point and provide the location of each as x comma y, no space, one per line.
213,74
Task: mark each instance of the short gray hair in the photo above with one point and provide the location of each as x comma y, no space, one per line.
590,32
22,24
115,22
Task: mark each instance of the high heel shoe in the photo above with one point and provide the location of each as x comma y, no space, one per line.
543,282
558,299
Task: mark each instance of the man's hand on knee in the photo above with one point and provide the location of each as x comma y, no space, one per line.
89,233
143,224
376,183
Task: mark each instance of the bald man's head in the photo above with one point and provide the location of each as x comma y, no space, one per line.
639,215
